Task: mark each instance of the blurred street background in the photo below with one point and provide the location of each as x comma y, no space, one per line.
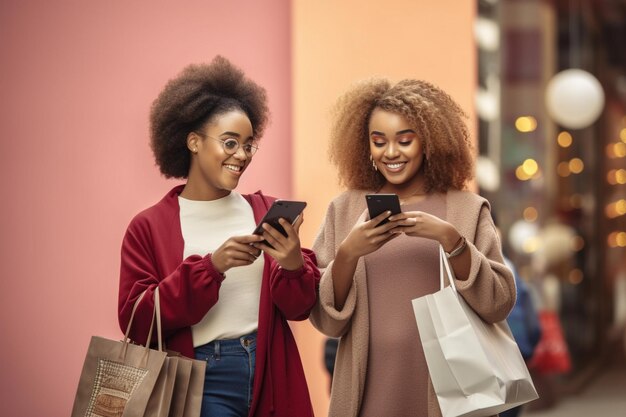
543,83
551,106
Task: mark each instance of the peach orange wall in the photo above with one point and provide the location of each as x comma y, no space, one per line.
76,82
338,42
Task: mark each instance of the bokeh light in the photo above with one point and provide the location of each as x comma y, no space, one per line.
526,124
530,214
563,169
576,165
616,176
616,209
530,167
520,174
564,139
616,239
575,276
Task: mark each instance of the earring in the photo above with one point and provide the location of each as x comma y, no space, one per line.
374,167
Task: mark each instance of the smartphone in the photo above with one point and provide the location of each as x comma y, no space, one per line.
379,203
286,209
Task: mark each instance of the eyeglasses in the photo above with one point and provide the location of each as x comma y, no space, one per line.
231,145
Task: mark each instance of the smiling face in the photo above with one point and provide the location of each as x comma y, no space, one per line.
214,173
397,152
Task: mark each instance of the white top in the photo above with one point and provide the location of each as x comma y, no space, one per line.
205,226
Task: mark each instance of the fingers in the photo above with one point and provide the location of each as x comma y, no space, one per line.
240,262
405,223
244,253
254,251
267,249
284,249
227,259
277,239
405,215
247,239
244,244
239,251
297,223
292,230
388,226
378,219
273,236
383,237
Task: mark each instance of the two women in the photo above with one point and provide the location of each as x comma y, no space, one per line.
223,302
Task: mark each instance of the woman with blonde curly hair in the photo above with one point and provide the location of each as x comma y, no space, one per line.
221,301
408,139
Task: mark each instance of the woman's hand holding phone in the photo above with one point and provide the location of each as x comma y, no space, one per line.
236,251
367,237
285,250
421,224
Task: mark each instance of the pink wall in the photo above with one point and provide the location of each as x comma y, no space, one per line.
76,82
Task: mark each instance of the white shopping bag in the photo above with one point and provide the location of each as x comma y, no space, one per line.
476,368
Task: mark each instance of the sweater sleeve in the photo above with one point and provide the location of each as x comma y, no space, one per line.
185,295
295,292
490,287
325,317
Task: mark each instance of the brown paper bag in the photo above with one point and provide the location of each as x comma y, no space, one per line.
120,379
117,377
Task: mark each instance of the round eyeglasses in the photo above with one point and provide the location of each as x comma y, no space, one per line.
231,145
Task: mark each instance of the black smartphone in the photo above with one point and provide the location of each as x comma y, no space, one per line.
379,203
286,209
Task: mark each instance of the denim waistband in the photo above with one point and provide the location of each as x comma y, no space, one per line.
224,346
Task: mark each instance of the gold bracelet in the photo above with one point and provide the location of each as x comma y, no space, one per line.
458,248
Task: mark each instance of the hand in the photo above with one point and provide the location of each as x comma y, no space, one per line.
420,224
236,251
368,236
285,249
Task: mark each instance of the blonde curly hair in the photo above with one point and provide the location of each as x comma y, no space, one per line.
437,119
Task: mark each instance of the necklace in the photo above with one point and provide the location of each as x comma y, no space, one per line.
405,195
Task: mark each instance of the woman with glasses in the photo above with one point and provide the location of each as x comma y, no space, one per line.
221,301
407,139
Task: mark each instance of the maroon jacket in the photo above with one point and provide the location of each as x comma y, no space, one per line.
152,254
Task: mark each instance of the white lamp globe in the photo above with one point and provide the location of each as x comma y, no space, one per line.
487,174
487,105
574,98
521,233
556,242
487,34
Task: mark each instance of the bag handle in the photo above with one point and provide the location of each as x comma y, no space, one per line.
444,263
156,313
126,340
132,316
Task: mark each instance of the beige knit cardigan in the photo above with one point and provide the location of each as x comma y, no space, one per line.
489,289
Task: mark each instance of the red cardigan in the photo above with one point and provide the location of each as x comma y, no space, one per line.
152,254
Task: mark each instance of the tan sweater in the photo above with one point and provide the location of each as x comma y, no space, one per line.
489,289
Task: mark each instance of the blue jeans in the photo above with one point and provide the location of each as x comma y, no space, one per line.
229,376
